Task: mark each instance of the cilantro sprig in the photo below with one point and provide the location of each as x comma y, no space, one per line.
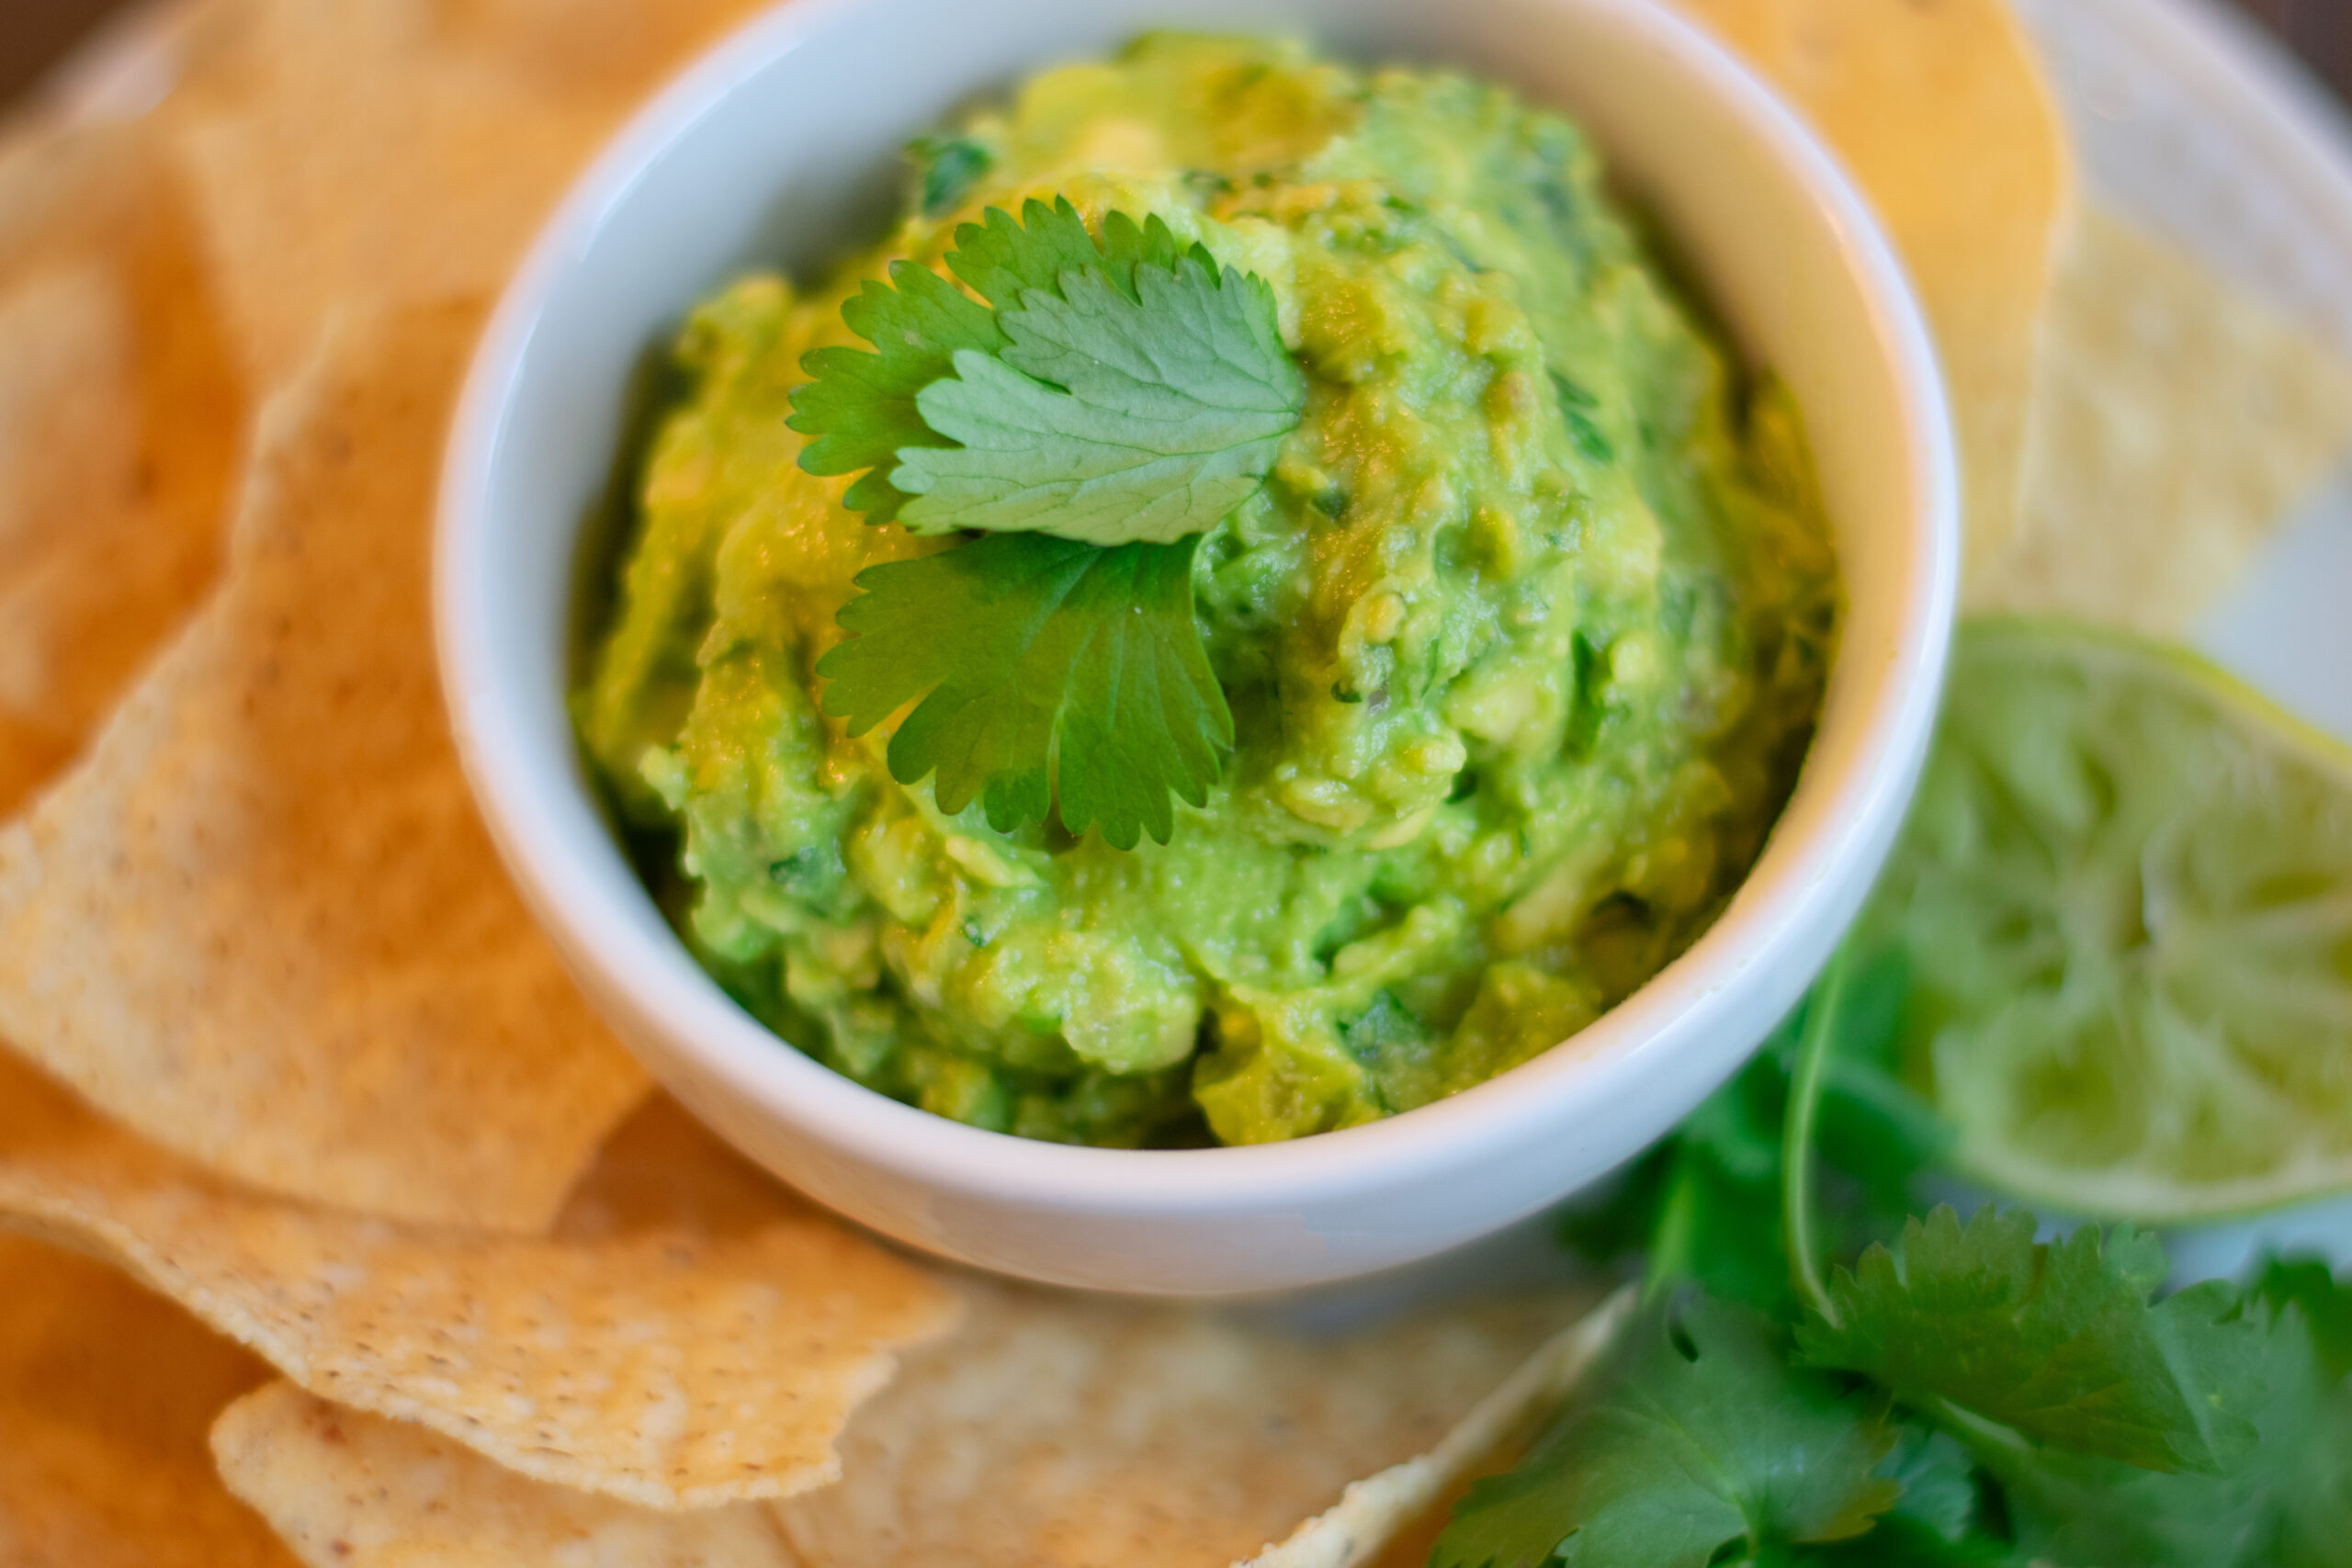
1703,1434
1102,403
1032,646
1960,1393
2058,1343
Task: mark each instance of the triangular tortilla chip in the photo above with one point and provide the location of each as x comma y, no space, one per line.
262,922
2180,422
346,1490
662,1169
105,1395
1066,1432
674,1364
397,151
1055,1431
1940,112
120,424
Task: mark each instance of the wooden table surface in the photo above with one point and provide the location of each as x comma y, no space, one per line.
34,33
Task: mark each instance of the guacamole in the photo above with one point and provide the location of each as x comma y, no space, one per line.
1523,640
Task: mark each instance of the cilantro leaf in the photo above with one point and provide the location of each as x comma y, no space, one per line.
1703,1437
1937,1480
2059,1342
2326,1306
1122,389
860,408
2285,1505
1041,669
1933,1524
1108,417
1900,1543
1002,259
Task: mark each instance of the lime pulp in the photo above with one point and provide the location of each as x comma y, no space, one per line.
2126,894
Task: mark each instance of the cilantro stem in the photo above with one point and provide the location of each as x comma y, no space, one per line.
1977,1431
1671,1249
1821,1018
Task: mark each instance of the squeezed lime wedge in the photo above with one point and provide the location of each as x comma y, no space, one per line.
2126,895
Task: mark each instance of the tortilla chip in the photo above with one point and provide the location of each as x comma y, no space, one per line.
1938,108
1171,1433
2180,423
352,1491
662,1169
671,1364
105,1395
398,151
262,922
120,425
1057,1431
1372,1512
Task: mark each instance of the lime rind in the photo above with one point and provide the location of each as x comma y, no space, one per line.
2126,893
2054,637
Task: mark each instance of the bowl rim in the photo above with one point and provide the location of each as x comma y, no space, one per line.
789,1086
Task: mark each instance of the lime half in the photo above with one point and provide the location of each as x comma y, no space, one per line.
2126,895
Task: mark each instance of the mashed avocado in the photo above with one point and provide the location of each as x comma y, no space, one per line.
1523,640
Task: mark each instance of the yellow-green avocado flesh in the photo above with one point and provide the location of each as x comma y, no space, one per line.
1524,639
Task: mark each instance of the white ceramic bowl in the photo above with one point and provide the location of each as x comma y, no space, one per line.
784,138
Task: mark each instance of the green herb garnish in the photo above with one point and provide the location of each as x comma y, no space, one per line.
1962,1394
949,167
2058,1343
1110,402
1703,1435
1027,649
1110,416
